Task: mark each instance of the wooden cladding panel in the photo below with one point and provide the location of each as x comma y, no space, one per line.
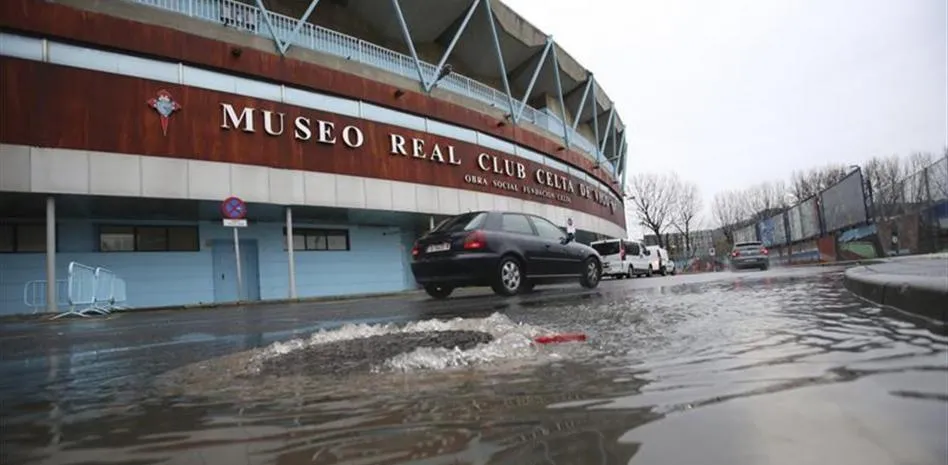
56,106
61,21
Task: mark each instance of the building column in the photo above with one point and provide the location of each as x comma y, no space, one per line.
289,251
51,298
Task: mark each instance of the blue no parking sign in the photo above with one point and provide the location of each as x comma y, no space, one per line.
233,208
234,211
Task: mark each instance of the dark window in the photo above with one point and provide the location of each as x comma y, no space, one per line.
517,224
7,238
547,230
28,237
318,239
151,239
607,248
632,248
117,239
183,238
462,222
148,239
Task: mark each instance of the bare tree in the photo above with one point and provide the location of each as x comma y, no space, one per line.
730,210
806,184
687,206
917,162
652,200
884,174
765,198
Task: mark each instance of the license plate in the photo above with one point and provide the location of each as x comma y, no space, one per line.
438,247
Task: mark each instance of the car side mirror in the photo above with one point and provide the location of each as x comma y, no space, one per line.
567,239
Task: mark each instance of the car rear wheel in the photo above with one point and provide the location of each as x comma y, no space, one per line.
509,279
438,291
592,273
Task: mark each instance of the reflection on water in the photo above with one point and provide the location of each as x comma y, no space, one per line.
776,369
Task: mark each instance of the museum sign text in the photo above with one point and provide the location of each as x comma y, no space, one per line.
492,170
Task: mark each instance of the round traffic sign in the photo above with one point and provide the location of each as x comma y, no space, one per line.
233,208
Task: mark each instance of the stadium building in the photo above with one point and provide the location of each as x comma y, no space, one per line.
346,128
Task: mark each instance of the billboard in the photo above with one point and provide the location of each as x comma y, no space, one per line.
747,234
844,204
809,218
804,220
772,231
767,231
796,224
780,229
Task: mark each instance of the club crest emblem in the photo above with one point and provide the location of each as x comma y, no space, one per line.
165,106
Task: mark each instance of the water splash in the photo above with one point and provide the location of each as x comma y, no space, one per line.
512,342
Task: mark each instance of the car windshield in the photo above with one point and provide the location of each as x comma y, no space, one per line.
607,248
463,222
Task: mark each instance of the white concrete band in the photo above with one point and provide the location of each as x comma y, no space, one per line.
83,172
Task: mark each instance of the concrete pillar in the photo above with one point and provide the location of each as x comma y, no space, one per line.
289,251
51,299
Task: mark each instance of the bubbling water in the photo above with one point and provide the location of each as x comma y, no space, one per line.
511,342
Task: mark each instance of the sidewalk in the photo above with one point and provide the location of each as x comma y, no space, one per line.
916,284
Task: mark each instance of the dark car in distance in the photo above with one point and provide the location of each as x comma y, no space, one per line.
508,251
750,255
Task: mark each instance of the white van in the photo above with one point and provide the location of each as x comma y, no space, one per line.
660,261
623,258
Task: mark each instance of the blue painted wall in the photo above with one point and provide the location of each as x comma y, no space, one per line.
376,263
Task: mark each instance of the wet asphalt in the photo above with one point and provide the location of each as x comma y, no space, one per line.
782,366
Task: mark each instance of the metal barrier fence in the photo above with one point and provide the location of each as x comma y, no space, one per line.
34,294
913,194
250,19
84,292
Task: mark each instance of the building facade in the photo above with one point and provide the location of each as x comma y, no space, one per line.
125,126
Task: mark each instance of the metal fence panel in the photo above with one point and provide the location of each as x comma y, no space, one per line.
104,285
34,294
938,180
81,283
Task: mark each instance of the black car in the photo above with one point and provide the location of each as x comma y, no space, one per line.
750,255
510,252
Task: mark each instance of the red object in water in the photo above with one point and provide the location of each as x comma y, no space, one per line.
557,338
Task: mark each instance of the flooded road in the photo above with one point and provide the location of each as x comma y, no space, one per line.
724,368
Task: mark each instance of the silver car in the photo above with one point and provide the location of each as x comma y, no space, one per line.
750,255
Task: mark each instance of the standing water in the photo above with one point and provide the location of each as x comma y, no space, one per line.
773,369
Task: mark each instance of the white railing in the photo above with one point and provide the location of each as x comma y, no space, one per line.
250,19
85,291
34,294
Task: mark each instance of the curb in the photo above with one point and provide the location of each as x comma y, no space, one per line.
919,295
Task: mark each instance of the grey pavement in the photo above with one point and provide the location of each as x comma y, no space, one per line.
915,284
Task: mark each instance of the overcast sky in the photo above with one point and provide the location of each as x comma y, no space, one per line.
732,92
